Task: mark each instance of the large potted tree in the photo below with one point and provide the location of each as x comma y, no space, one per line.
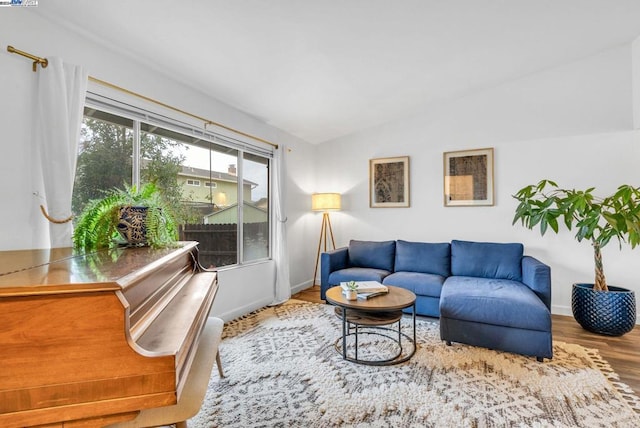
598,307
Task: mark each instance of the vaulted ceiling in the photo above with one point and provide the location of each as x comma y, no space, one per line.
321,69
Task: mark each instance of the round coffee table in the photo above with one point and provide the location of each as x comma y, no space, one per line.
374,316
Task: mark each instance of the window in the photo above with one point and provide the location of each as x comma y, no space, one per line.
116,151
256,207
104,158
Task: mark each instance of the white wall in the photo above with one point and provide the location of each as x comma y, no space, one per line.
635,52
21,224
572,124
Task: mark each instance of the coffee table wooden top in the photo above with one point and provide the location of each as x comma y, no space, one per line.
397,298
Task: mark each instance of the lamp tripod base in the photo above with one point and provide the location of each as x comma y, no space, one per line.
324,238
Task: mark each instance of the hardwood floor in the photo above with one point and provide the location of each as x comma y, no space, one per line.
622,353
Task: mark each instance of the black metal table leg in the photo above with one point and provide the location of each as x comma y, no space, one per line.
356,350
344,333
415,344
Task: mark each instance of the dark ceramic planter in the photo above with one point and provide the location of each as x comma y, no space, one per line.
612,313
132,225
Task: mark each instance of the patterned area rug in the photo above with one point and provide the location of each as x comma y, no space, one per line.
282,370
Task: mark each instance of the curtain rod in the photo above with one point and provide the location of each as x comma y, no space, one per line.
36,60
43,62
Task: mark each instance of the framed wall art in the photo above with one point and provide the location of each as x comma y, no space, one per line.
389,182
468,178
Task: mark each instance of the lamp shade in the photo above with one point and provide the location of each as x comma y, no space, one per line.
325,201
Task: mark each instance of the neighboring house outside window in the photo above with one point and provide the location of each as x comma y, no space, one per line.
222,191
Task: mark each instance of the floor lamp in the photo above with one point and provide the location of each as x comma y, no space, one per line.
324,202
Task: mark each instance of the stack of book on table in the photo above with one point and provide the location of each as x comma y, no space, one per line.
366,289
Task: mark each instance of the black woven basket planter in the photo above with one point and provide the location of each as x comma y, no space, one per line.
612,312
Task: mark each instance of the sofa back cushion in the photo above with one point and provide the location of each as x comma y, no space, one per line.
370,254
487,260
424,257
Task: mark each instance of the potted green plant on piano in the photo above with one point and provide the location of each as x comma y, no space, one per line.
598,307
129,216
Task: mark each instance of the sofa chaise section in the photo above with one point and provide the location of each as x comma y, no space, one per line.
498,299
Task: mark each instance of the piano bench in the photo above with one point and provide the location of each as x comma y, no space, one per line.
194,389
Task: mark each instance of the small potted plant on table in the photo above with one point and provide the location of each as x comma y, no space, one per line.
352,290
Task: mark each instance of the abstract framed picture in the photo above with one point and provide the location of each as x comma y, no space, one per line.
389,182
468,178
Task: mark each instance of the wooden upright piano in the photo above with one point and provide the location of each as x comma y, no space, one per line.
87,340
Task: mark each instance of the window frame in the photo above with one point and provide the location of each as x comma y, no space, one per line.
208,139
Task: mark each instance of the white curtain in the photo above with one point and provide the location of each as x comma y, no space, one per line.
280,249
60,102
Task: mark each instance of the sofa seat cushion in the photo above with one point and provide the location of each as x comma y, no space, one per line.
357,274
421,284
425,257
372,254
493,301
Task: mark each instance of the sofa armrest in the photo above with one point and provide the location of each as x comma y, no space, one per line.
537,276
332,261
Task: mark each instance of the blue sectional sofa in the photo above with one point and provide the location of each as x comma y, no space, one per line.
486,294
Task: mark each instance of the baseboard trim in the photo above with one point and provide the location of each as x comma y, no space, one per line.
561,310
301,287
244,310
